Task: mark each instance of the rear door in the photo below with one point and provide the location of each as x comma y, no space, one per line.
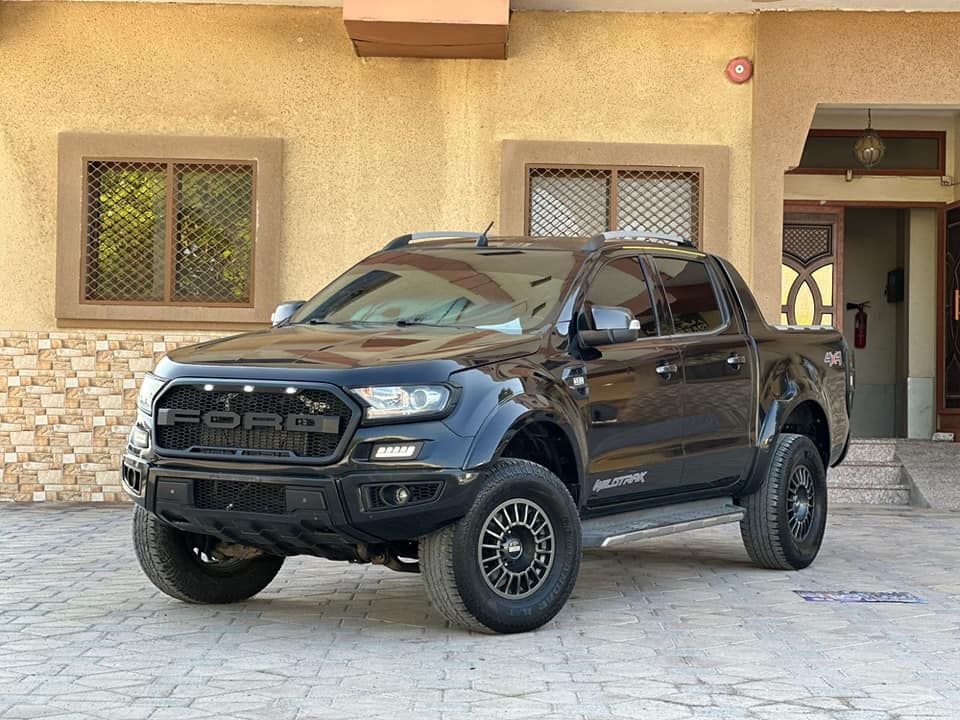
633,391
717,360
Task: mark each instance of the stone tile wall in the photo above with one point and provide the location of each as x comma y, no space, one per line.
66,403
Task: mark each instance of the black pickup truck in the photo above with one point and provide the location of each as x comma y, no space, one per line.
482,410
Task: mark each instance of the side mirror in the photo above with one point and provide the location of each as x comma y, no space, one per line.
611,317
285,310
613,325
594,338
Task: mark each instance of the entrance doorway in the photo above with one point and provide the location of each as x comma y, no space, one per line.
841,257
875,247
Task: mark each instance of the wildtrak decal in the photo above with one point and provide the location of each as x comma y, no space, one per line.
620,481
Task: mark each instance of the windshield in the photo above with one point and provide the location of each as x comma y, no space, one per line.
506,290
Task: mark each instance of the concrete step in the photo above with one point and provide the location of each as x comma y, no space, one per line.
886,474
868,496
871,474
871,451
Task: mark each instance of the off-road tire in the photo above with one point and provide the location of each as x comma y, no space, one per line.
450,557
766,526
167,557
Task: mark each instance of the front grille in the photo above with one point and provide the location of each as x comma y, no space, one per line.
239,496
254,442
377,497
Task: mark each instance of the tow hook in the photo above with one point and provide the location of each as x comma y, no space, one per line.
387,559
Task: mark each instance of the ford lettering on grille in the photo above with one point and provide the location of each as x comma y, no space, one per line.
311,424
248,421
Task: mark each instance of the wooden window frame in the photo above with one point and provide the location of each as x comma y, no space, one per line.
76,150
711,161
939,135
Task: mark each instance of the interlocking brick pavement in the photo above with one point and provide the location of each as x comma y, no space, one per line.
679,627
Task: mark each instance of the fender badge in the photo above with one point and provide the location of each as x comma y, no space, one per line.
834,359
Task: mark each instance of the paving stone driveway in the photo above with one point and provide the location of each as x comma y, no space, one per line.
680,627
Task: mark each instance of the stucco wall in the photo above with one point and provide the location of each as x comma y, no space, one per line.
373,147
834,58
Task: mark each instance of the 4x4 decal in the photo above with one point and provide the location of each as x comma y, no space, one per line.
834,359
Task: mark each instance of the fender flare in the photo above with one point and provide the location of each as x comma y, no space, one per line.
777,413
504,421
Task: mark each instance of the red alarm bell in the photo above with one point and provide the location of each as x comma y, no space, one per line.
739,70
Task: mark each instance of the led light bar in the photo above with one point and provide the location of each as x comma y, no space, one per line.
399,451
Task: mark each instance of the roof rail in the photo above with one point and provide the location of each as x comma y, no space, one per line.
404,240
597,241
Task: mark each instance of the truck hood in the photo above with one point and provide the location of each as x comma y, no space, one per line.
327,352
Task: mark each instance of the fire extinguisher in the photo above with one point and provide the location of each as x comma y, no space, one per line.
859,324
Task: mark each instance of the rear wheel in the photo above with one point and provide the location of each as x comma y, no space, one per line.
511,563
182,565
785,519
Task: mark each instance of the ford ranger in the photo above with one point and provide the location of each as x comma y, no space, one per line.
479,411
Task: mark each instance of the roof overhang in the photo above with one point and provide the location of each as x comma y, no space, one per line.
428,28
640,6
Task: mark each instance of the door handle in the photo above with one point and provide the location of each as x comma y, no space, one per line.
736,361
667,369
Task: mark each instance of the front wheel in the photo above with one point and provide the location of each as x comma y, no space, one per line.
511,563
178,564
786,517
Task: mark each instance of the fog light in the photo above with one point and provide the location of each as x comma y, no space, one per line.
139,438
401,496
400,451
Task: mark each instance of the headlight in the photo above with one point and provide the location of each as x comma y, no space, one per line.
390,402
149,387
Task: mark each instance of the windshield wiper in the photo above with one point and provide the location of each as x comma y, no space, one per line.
411,322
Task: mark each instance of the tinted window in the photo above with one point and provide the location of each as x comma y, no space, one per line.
509,291
690,294
623,284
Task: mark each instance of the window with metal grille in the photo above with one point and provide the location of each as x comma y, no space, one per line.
159,232
565,201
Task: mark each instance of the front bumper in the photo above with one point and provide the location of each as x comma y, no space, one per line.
293,510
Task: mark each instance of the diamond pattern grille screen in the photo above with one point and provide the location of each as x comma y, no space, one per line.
584,201
168,232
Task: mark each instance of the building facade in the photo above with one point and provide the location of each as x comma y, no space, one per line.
169,172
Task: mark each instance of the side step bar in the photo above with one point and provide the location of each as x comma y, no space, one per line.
653,522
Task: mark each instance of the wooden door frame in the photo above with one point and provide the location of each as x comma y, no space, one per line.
811,207
942,411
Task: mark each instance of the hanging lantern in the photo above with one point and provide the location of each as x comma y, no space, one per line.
870,148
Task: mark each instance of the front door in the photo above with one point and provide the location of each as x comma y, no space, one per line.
812,277
718,396
948,340
633,402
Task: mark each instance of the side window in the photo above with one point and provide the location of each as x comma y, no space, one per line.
619,297
690,295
